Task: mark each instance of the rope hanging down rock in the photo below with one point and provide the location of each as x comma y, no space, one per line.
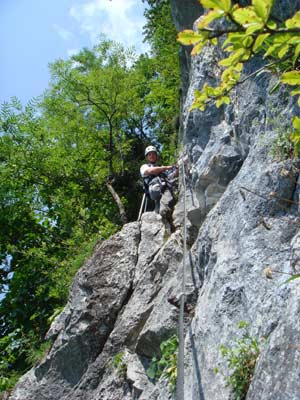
180,360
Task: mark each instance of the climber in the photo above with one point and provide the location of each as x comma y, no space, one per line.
158,181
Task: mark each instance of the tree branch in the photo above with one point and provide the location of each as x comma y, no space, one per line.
118,201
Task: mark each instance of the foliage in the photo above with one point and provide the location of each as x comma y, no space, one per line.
283,148
241,360
166,365
163,97
53,209
8,382
38,351
295,136
119,363
250,30
15,348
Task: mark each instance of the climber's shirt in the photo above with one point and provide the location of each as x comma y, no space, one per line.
152,191
154,185
143,169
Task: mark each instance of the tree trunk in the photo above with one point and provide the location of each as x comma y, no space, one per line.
111,148
118,201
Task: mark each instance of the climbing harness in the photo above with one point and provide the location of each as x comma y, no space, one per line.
180,360
154,186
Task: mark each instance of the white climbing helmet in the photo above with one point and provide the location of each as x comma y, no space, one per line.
149,149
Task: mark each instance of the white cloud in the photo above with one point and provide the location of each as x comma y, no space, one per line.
72,52
119,20
63,33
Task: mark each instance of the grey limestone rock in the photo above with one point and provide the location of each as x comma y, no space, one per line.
100,291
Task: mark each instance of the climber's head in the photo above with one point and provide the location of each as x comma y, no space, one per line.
151,154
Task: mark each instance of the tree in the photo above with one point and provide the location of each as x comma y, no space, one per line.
160,32
97,83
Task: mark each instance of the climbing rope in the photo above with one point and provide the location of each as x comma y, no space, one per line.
142,209
180,360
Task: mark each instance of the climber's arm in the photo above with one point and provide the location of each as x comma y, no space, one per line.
156,170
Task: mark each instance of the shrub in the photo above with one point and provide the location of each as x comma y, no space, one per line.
166,365
119,363
241,360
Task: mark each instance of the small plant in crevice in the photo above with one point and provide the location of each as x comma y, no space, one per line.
37,352
120,365
241,360
166,365
282,147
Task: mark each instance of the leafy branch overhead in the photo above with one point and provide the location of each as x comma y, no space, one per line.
248,31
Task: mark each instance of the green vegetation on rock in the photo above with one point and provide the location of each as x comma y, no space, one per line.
241,360
166,365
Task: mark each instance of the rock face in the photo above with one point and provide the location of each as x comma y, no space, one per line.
243,217
184,14
117,315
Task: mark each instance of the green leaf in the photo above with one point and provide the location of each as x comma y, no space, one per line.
293,22
246,16
224,5
272,24
222,100
294,40
272,49
296,54
198,48
206,19
282,52
296,123
234,38
259,41
291,78
238,67
292,278
295,139
209,3
234,58
243,324
152,370
229,49
283,38
247,42
263,8
295,92
253,28
188,37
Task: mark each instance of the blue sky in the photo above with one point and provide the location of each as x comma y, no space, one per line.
36,32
